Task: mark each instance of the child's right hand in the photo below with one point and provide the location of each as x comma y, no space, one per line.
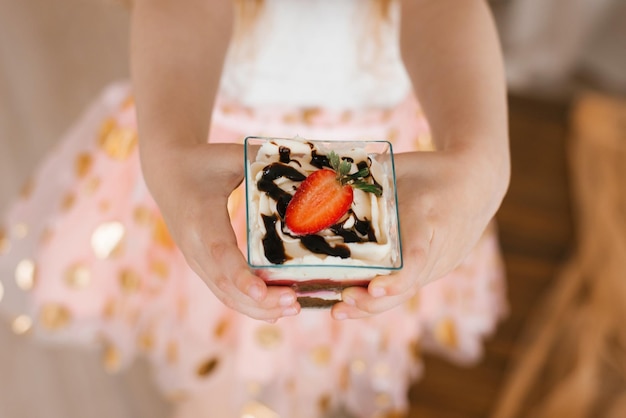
177,55
191,184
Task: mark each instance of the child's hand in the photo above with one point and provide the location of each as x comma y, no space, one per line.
446,200
191,184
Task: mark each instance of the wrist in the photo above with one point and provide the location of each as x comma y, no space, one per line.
487,165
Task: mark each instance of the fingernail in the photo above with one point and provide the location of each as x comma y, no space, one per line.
255,292
290,312
378,291
340,316
287,299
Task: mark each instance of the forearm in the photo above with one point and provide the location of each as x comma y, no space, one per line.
177,53
451,52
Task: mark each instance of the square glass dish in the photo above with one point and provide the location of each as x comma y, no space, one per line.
342,237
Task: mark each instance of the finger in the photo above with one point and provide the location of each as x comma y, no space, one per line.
247,289
227,270
279,301
346,309
358,303
223,255
415,260
228,258
251,285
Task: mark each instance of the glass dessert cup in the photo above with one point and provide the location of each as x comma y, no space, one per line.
360,244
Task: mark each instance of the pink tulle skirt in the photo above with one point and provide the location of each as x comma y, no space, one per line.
86,258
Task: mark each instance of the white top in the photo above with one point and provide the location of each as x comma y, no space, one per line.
329,53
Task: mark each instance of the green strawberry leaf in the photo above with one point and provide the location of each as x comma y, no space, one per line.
357,180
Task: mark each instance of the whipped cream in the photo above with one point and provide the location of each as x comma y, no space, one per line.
362,244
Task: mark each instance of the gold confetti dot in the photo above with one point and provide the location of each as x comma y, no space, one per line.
207,367
20,230
425,144
106,239
256,409
308,114
324,404
254,388
118,142
221,328
82,164
357,366
321,355
413,304
92,185
27,189
25,274
143,216
22,324
268,336
415,350
346,116
111,358
46,236
129,281
177,396
382,400
393,135
162,235
104,206
290,118
381,370
445,333
5,244
105,129
145,341
128,102
227,109
160,269
68,202
344,378
384,341
171,352
54,316
78,276
109,309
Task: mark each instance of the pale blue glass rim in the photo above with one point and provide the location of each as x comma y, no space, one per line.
341,266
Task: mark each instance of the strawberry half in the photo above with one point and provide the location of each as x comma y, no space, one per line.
325,196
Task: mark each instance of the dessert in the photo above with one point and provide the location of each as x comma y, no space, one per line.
322,215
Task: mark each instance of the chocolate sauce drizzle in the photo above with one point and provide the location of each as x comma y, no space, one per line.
285,154
318,245
319,161
273,246
266,184
361,231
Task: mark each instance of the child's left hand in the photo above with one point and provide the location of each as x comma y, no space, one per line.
446,200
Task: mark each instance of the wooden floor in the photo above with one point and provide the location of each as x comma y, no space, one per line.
536,234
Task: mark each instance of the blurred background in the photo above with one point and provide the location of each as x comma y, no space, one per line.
566,67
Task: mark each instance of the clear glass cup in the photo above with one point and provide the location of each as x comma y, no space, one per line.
363,244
